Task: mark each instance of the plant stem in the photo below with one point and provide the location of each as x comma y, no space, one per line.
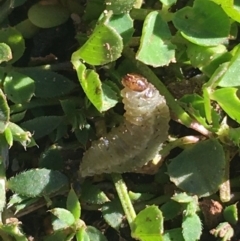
180,142
2,179
149,74
124,197
225,189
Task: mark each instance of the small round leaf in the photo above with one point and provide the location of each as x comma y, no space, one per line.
19,88
205,24
48,15
14,40
199,169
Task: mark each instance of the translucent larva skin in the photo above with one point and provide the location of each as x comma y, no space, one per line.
138,139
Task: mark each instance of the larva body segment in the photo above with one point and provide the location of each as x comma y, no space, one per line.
138,139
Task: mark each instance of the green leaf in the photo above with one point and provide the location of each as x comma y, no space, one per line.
64,216
155,47
231,8
228,79
182,198
42,126
101,96
19,88
113,213
205,24
92,194
18,116
105,45
4,112
93,9
94,234
231,104
5,53
52,158
27,28
199,169
192,227
14,40
173,234
119,6
170,209
230,214
194,104
140,197
38,182
123,24
48,15
201,56
213,65
148,225
73,205
49,84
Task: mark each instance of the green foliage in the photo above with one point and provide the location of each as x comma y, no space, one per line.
148,225
105,45
102,96
228,79
18,87
92,194
119,6
152,39
43,125
202,168
230,214
191,227
194,23
47,15
14,40
49,84
39,182
113,213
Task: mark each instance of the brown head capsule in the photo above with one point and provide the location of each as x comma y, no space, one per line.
135,82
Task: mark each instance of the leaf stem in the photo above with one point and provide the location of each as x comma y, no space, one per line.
179,142
225,189
149,74
124,197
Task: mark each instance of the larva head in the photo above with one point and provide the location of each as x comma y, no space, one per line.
135,82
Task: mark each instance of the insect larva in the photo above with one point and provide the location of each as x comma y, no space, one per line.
138,139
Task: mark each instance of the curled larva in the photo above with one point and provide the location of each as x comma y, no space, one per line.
138,139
